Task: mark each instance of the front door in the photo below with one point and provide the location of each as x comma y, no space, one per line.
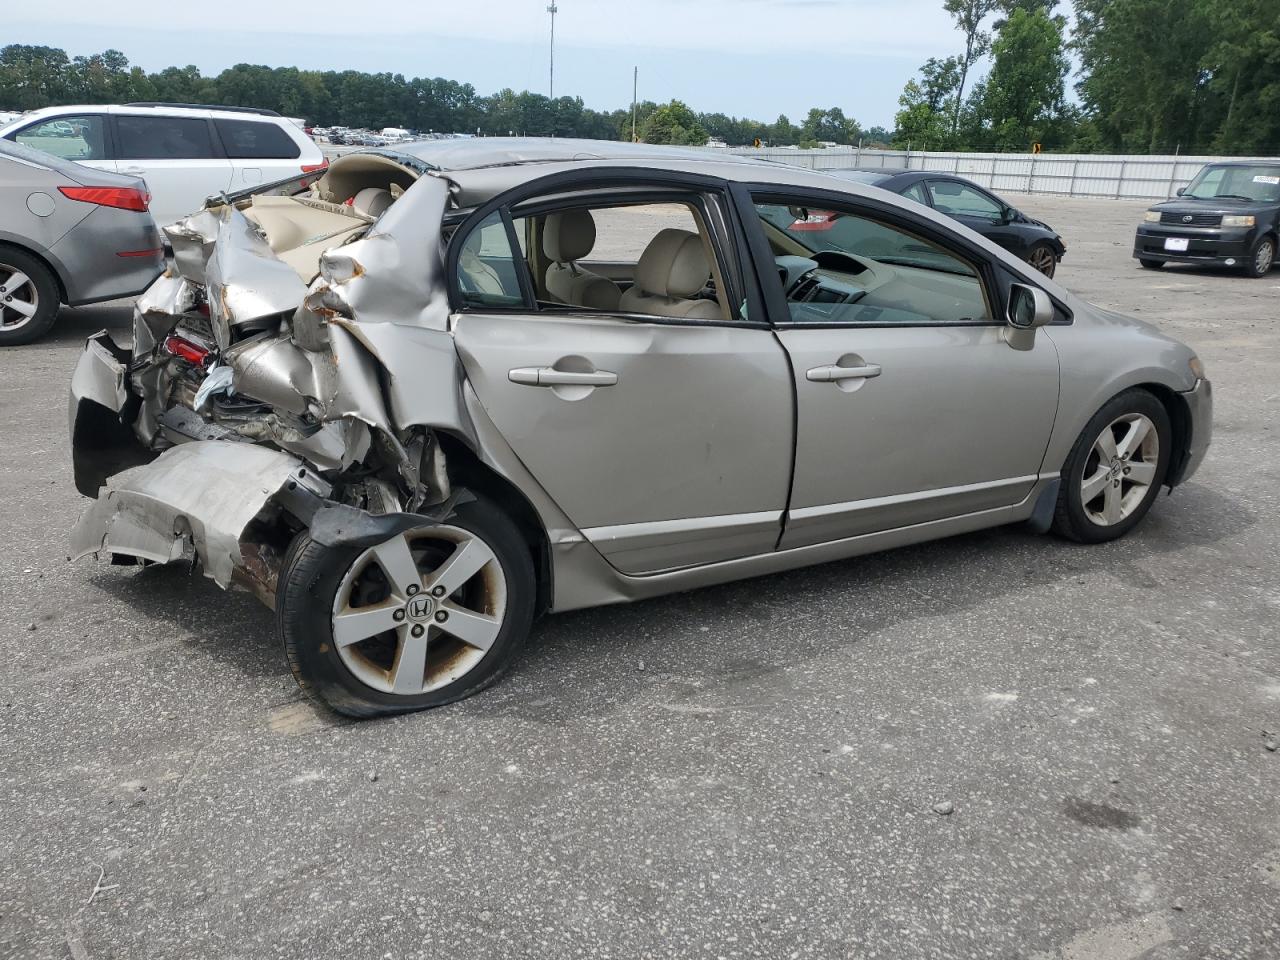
911,404
666,441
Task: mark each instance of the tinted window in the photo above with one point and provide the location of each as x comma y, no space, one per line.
163,138
487,268
255,140
962,200
859,270
70,138
917,193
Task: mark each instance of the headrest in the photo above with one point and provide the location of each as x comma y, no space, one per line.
568,236
673,265
371,201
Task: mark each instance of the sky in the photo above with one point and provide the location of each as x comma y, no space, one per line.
756,58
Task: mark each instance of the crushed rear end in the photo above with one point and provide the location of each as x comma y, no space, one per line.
254,402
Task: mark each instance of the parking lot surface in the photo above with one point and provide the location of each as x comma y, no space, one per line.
757,770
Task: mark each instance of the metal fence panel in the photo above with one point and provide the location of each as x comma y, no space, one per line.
1076,175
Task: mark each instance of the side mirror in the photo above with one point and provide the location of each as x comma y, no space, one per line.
1029,307
1181,191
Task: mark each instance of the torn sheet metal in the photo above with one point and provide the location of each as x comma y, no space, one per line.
201,494
244,280
395,274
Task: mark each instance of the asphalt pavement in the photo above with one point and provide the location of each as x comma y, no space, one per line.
1000,745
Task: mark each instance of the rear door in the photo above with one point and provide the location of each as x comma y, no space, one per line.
666,441
178,158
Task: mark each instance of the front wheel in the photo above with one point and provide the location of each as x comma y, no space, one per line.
1261,258
430,616
1115,470
1044,258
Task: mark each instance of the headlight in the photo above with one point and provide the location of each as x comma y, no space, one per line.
1238,221
1197,368
1153,216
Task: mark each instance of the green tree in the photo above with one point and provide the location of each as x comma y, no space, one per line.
1145,84
969,15
1023,96
829,126
673,123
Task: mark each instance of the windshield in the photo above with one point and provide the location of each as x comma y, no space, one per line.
1260,182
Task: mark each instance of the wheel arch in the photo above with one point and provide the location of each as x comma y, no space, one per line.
466,469
50,262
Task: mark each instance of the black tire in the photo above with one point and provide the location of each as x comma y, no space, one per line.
1044,258
1261,258
1151,264
14,328
1071,519
310,577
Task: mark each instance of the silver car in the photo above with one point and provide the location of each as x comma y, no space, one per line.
447,388
68,234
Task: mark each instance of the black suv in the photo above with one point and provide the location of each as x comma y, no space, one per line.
1230,214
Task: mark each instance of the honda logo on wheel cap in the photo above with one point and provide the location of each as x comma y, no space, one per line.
420,608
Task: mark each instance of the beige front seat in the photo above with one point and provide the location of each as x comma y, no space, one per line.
566,238
672,269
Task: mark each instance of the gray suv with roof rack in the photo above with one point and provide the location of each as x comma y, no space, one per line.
1229,214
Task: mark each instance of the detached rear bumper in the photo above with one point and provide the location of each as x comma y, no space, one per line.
197,498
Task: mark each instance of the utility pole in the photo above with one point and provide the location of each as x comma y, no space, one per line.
635,91
553,10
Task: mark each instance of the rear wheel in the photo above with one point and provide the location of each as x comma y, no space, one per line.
1044,258
1115,470
1151,264
425,618
28,298
1261,258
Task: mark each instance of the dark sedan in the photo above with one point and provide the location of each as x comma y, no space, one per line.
1230,215
978,209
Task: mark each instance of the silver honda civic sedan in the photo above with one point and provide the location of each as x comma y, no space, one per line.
446,388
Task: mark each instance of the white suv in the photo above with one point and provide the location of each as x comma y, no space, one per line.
184,152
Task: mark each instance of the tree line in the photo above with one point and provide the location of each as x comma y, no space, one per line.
1151,76
38,76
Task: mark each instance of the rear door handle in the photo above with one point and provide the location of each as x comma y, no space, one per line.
551,377
834,374
133,171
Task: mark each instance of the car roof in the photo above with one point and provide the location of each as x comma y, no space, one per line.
473,153
183,110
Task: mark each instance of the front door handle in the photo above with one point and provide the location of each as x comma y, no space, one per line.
551,377
133,171
834,374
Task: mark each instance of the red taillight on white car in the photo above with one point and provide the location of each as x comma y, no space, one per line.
316,167
123,198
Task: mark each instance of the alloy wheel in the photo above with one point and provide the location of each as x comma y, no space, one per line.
1120,469
1264,257
419,610
1042,259
19,299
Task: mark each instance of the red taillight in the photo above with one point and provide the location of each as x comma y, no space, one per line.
315,167
191,352
153,252
123,198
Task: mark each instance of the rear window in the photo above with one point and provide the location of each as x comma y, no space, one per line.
255,140
163,138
